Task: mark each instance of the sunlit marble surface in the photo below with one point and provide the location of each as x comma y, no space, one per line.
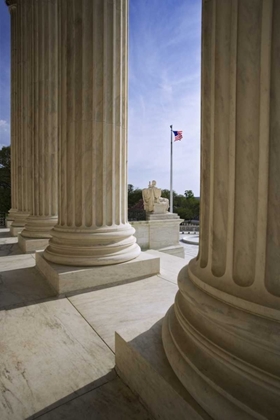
57,355
49,353
126,306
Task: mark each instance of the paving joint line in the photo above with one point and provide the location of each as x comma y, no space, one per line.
90,325
74,398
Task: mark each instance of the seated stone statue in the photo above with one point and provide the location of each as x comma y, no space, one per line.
153,202
164,201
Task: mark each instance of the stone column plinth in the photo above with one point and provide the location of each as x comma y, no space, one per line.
44,85
222,336
92,224
23,109
12,4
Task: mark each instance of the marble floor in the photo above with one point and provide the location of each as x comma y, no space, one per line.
57,354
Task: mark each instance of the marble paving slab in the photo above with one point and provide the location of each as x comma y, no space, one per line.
191,251
170,265
8,240
191,239
112,401
8,243
10,249
22,286
12,262
5,232
126,306
49,354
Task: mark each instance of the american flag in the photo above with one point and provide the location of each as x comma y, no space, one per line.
178,135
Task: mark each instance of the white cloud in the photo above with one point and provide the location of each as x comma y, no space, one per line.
4,133
4,125
164,87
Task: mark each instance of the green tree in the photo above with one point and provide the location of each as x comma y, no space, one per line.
189,194
130,189
5,179
192,206
166,194
187,206
179,200
133,195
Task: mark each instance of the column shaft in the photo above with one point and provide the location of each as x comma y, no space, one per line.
92,209
44,85
222,334
24,112
14,89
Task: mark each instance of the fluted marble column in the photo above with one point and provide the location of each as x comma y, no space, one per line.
44,85
92,224
12,4
24,114
222,336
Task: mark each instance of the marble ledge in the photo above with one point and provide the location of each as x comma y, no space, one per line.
8,223
67,280
16,230
142,364
31,244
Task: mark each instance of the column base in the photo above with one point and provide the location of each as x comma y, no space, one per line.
107,245
16,230
31,245
141,363
11,217
8,222
39,227
19,222
226,358
69,279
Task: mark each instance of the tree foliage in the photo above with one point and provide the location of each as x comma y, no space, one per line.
189,194
134,195
5,179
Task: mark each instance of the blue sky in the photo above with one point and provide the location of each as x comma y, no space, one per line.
4,74
164,89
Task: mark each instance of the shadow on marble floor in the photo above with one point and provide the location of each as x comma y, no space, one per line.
21,284
142,362
111,400
9,249
5,233
71,399
23,287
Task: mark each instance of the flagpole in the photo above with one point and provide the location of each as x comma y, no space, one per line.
171,171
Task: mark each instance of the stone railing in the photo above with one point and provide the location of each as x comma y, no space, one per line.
188,227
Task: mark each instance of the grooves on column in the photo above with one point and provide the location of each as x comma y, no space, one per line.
93,227
44,120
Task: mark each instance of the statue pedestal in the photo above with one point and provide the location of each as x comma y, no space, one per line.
160,208
162,216
160,233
